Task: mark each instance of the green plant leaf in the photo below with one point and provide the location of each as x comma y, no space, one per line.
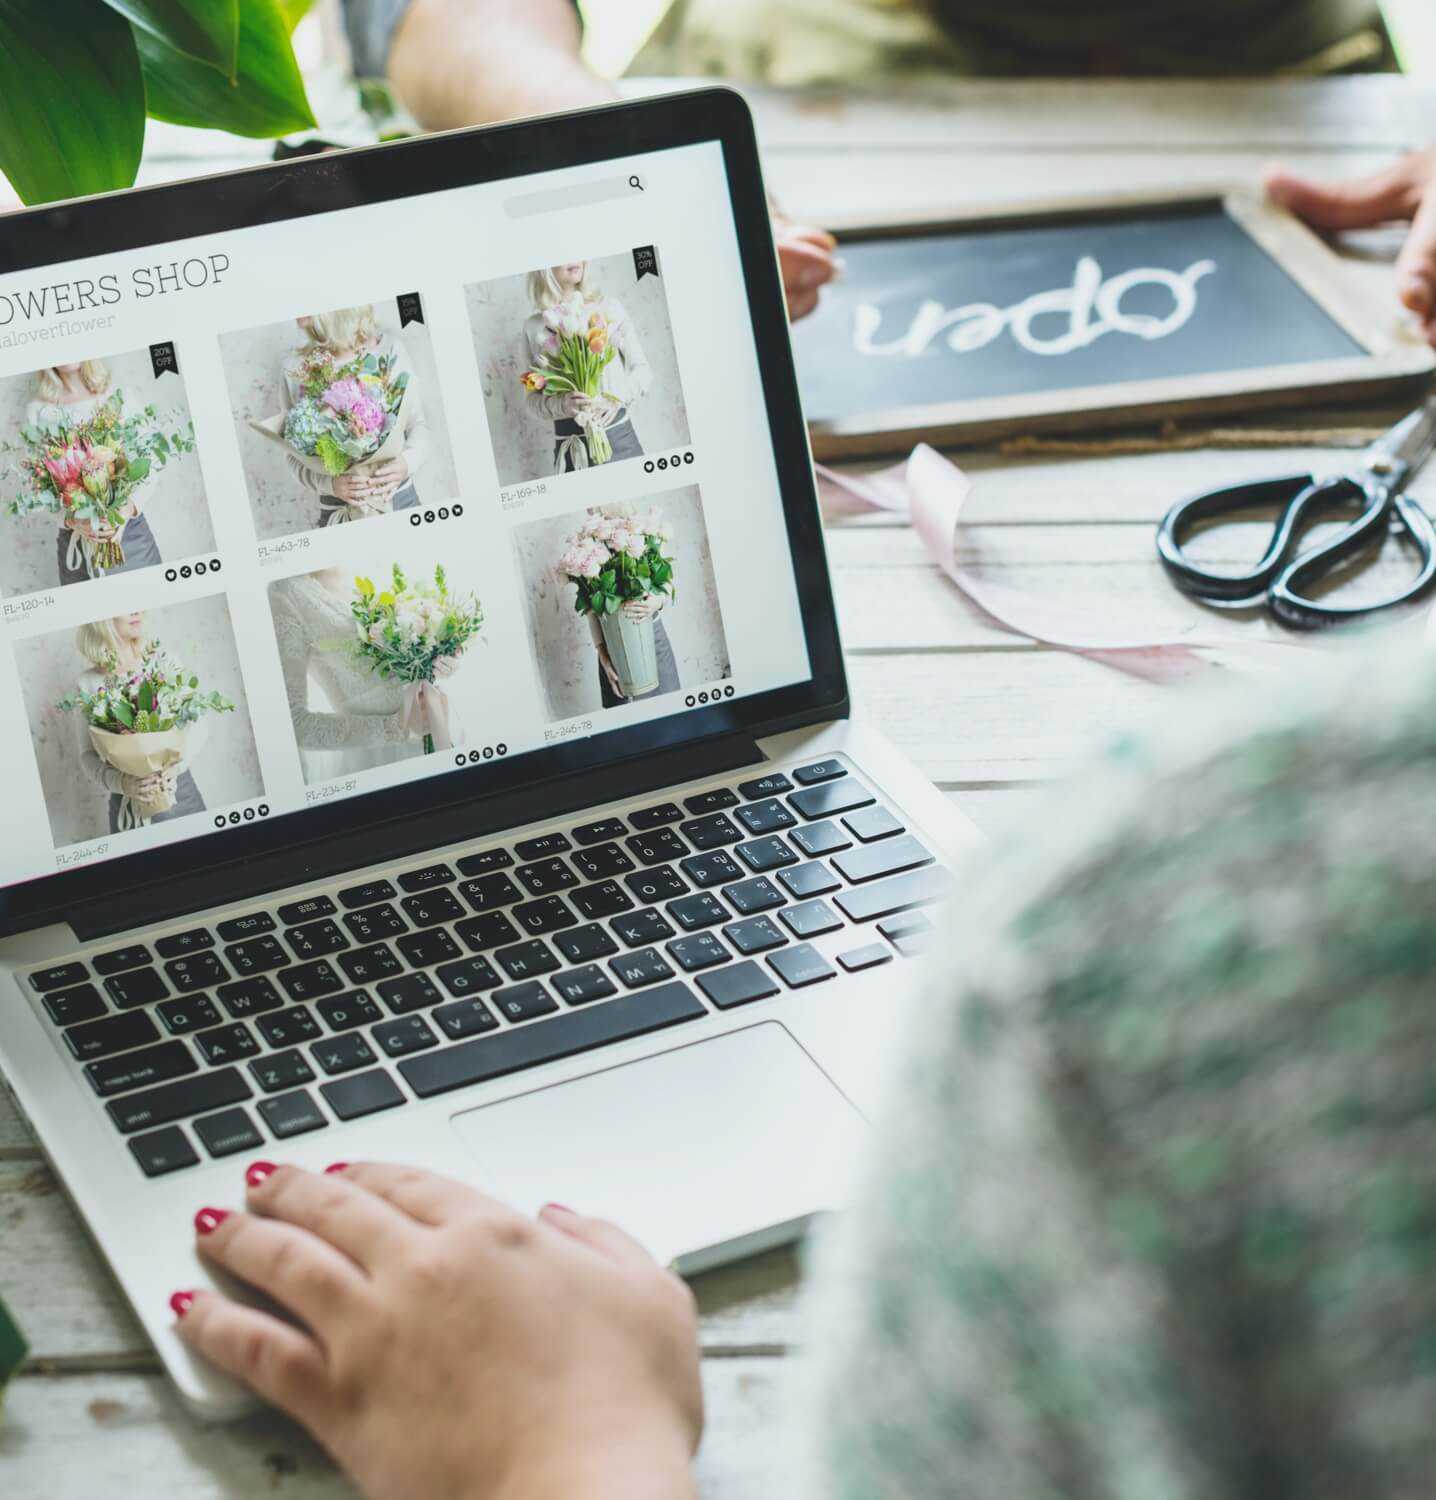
268,99
295,11
206,30
72,102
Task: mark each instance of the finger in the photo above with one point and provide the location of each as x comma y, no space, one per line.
606,1238
805,267
277,1361
801,304
814,236
1416,265
1394,193
425,1196
337,1212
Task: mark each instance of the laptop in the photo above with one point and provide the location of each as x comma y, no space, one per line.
432,767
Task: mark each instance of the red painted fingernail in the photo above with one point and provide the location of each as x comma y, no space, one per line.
180,1303
207,1220
563,1208
258,1171
336,1166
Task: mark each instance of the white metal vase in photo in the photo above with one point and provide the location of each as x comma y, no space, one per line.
633,652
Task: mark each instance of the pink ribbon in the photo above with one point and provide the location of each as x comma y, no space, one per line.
427,710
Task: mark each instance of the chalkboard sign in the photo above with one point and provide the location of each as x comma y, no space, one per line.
1065,317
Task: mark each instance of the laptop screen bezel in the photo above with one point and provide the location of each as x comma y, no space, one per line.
271,193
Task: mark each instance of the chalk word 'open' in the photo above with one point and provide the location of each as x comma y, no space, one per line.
977,324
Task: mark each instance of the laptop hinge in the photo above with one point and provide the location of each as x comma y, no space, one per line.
385,842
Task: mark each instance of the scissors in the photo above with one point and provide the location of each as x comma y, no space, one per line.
1378,486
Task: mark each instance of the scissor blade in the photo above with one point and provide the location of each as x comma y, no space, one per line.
1408,445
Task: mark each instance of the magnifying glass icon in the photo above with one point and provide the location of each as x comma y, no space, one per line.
636,182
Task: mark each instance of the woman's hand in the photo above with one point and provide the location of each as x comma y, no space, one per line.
605,662
94,531
149,788
353,488
445,666
1406,190
449,1347
649,607
806,258
576,402
390,477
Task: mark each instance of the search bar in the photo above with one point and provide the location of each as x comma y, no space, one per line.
579,195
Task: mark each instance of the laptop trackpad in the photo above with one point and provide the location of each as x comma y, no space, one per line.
689,1151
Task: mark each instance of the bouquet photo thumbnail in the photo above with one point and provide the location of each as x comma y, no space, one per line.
143,721
90,470
348,416
577,349
615,557
404,632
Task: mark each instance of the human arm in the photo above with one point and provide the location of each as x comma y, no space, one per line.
93,766
636,373
605,661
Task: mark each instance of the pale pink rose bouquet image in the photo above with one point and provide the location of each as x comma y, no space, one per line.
577,348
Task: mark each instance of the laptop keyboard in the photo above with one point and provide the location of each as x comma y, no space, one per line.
290,1019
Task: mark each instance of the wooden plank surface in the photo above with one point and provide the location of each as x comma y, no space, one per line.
987,714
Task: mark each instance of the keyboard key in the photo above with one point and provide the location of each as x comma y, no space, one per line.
368,894
136,956
236,929
821,838
227,1133
751,896
292,1114
306,910
176,1101
712,832
188,1013
765,817
580,986
711,869
568,1035
281,1070
546,875
162,1151
661,884
801,966
756,935
250,997
81,1003
197,972
522,1002
701,951
547,914
310,981
257,956
112,1034
811,879
765,786
59,976
872,823
177,944
427,878
583,944
364,1094
647,966
831,798
293,1025
909,934
432,907
485,861
820,770
407,1034
890,858
606,898
137,987
602,862
465,1018
345,1012
658,847
656,816
117,1075
489,892
810,919
226,1044
369,965
467,976
738,984
542,846
488,931
761,855
697,911
341,1054
525,960
374,923
711,801
640,927
601,832
422,950
412,992
869,956
885,898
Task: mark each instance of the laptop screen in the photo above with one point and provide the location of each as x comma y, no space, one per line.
343,502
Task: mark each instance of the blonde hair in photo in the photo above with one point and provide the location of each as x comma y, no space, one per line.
97,642
344,328
544,289
94,376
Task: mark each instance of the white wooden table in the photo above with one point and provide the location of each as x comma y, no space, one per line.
987,715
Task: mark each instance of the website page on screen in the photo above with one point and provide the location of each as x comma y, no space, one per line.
297,513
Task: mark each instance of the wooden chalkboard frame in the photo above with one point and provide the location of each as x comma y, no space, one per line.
1395,358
